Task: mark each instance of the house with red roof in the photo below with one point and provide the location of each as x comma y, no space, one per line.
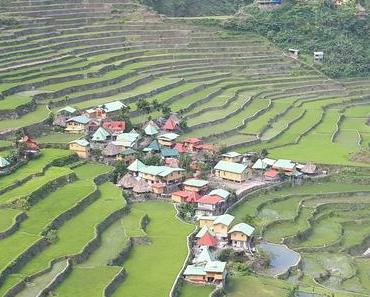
185,197
271,175
207,240
115,127
172,124
30,146
191,143
210,205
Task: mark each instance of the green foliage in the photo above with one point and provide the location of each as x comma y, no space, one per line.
195,7
153,160
186,211
120,169
248,219
315,26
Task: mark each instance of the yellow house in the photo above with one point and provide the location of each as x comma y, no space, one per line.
195,185
206,221
77,124
168,139
81,147
231,171
211,272
221,225
240,234
156,174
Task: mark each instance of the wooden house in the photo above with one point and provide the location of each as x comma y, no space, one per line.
221,193
195,274
221,225
81,147
232,157
240,234
77,125
127,156
159,188
135,167
172,124
112,151
167,175
68,111
101,135
106,110
168,139
207,240
271,175
191,143
30,146
231,171
284,165
128,140
185,197
210,206
151,129
206,221
114,127
318,57
212,272
195,185
309,169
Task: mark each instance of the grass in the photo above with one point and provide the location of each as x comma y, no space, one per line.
190,290
33,167
58,138
156,265
23,191
7,218
41,113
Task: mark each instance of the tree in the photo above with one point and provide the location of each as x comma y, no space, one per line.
120,169
186,211
264,153
185,162
248,219
156,105
166,111
125,117
154,160
183,124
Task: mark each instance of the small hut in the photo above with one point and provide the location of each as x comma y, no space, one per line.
318,57
127,182
142,187
112,150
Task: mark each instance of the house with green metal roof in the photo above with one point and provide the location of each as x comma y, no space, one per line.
4,163
101,135
136,166
204,256
232,157
160,174
114,106
221,193
77,124
240,234
127,140
221,225
231,171
259,165
285,165
195,185
168,139
67,111
151,129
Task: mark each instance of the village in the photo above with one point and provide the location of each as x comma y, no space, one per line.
201,179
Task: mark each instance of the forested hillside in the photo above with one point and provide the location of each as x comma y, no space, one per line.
196,7
310,26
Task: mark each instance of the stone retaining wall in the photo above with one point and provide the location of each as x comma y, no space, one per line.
18,220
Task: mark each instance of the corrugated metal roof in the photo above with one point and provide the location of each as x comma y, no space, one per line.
230,167
243,228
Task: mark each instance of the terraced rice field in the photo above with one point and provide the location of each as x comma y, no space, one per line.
327,223
250,93
78,231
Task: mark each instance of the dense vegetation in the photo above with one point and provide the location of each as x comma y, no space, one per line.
315,26
196,7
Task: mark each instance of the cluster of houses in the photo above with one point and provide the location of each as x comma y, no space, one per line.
215,234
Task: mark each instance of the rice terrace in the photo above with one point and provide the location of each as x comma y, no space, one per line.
153,148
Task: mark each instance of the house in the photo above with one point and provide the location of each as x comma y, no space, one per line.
203,231
206,147
210,206
207,240
318,57
180,147
221,225
259,165
195,185
172,124
215,271
195,274
127,140
271,175
141,187
29,145
77,124
101,135
172,162
169,153
309,169
240,234
92,126
293,53
206,221
113,151
168,139
203,256
167,175
127,181
110,109
81,147
221,193
67,111
269,162
212,272
4,164
284,165
135,167
231,171
128,156
191,143
114,127
159,188
151,129
185,197
232,157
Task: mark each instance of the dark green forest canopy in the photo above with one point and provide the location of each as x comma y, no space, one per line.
315,26
183,8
